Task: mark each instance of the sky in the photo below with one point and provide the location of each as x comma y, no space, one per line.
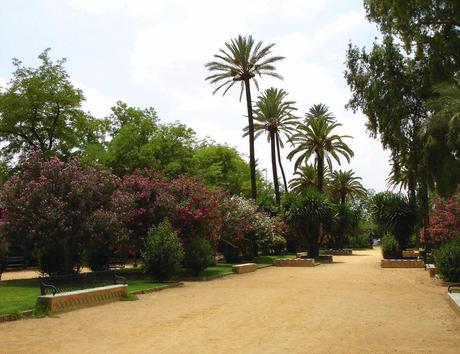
152,53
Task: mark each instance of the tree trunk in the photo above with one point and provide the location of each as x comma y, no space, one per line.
252,160
275,172
320,172
280,164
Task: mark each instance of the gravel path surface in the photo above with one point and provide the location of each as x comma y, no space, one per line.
350,306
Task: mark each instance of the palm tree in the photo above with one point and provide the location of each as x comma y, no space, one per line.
306,178
345,184
273,115
320,110
242,61
316,139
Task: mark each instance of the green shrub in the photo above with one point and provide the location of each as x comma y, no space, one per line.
198,255
360,240
447,260
163,253
390,247
97,256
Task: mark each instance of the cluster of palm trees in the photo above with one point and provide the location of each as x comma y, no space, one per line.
273,114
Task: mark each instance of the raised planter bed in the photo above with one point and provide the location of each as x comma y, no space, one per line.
324,258
244,268
431,268
72,300
297,262
401,263
344,252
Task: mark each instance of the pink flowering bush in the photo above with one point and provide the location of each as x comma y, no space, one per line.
245,231
54,210
190,207
444,221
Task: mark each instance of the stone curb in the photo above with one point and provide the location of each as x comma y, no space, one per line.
15,317
152,290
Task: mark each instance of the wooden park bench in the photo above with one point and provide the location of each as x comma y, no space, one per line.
117,263
67,292
12,263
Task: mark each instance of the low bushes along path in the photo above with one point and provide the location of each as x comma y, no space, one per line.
351,306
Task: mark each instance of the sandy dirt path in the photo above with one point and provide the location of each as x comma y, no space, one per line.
351,306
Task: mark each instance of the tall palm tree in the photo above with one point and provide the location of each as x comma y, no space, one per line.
315,138
273,115
243,61
320,110
345,184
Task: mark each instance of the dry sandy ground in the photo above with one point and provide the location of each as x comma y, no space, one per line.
351,306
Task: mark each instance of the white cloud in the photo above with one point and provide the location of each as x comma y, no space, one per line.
174,39
96,102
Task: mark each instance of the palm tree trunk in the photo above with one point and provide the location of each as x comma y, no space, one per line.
275,172
279,162
320,172
252,160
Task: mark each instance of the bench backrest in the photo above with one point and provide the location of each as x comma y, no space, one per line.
63,283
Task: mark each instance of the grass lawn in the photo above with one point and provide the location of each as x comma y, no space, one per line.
218,269
20,295
264,260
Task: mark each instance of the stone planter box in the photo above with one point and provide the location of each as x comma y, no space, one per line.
431,268
82,298
298,262
324,258
344,252
244,268
401,263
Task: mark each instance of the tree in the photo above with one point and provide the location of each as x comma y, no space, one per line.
394,214
273,115
429,29
40,109
221,166
58,210
304,213
345,184
315,138
306,178
242,61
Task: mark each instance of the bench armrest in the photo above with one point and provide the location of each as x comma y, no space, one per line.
44,286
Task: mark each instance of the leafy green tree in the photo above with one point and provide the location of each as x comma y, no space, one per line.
316,138
429,29
274,116
123,115
221,166
40,109
170,150
242,61
442,142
